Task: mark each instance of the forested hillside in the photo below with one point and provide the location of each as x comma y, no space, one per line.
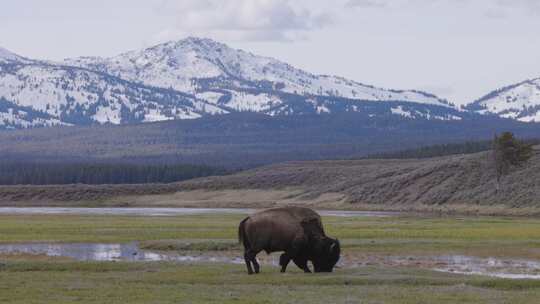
55,173
245,140
443,150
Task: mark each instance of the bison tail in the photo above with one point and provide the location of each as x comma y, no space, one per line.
242,233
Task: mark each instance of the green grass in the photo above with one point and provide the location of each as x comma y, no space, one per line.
67,282
482,236
115,229
26,279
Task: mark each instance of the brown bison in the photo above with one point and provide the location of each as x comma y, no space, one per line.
296,231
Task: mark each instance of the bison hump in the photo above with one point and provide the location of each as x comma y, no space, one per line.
312,226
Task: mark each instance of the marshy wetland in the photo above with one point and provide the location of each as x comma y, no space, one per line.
195,258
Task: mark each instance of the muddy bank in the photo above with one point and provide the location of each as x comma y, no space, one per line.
458,264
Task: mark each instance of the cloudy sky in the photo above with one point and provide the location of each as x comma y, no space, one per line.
458,49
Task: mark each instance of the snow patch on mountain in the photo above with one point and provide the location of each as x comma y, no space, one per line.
210,97
245,101
14,117
11,120
520,101
425,114
399,111
107,115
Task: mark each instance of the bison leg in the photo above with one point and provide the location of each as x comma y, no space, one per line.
247,259
250,258
301,262
297,253
255,264
284,260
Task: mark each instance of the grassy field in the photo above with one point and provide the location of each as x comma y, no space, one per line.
39,279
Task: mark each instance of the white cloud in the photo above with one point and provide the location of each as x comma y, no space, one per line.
366,3
259,20
493,8
531,6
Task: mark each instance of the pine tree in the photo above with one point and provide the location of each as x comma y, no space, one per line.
509,152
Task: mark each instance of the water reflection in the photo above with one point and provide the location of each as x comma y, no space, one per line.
499,268
130,252
106,252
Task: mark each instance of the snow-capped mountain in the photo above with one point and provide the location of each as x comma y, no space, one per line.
519,101
187,79
7,56
39,94
188,64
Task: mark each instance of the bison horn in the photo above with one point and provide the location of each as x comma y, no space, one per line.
332,247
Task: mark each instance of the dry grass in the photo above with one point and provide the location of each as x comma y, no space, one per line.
455,184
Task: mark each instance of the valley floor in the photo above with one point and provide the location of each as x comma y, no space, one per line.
370,271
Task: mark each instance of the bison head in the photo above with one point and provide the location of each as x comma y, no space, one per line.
327,256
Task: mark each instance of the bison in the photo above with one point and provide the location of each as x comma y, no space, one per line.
296,231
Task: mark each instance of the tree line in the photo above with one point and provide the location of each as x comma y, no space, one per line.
34,173
449,149
436,150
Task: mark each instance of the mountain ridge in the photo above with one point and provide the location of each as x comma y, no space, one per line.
202,77
197,77
216,59
7,55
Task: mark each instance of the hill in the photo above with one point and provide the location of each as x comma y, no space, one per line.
402,184
460,183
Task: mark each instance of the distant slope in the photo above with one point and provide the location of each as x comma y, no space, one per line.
520,101
33,172
244,140
444,183
464,184
468,147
